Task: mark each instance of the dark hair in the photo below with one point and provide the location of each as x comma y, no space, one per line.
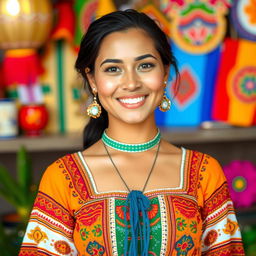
90,45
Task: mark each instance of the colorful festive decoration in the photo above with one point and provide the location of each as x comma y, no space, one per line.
63,91
105,7
235,93
8,119
197,26
33,119
85,12
154,12
243,14
65,27
2,90
193,101
241,177
27,25
139,4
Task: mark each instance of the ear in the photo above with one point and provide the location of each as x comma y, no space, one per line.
166,72
91,81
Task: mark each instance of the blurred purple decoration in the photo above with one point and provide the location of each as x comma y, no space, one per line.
241,177
243,13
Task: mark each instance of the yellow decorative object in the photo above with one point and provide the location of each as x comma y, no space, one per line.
24,23
230,227
66,102
250,9
37,235
240,86
105,7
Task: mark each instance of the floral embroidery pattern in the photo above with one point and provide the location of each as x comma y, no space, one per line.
84,234
230,227
180,224
183,245
95,249
62,247
37,235
193,227
97,231
211,237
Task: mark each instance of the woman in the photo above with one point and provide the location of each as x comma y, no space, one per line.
130,192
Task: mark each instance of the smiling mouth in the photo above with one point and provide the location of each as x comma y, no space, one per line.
134,102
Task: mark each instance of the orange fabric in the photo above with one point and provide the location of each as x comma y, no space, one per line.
70,217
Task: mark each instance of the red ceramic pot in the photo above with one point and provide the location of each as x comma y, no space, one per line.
33,119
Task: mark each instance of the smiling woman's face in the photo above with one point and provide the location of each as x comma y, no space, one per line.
129,76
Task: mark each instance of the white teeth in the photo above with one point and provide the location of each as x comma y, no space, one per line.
132,100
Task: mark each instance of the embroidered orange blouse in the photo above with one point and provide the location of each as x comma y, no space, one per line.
70,217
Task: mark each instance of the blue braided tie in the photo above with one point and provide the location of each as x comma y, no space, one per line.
138,203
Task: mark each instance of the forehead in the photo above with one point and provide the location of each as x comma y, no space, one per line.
128,43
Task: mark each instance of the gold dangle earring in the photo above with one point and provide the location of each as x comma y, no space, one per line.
94,109
165,104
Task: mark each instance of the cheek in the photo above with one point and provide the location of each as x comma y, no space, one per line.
106,87
155,83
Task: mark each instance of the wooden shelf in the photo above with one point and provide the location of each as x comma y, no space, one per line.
195,135
72,142
54,142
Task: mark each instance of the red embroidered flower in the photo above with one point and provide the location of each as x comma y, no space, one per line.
62,247
211,237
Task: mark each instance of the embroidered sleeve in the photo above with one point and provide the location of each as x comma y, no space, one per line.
51,224
221,233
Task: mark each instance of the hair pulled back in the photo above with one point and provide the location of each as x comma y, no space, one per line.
90,46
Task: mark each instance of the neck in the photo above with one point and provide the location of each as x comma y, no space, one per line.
132,133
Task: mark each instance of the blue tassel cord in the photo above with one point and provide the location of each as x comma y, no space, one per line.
138,205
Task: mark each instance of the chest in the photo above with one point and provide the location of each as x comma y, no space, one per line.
175,226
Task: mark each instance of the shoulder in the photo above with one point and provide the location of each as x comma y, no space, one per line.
65,180
206,164
211,171
58,171
55,169
205,173
211,177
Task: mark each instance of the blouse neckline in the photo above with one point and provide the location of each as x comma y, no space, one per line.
123,193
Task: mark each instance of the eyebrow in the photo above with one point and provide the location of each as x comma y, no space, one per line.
120,61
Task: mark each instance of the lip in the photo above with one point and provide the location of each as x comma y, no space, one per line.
133,105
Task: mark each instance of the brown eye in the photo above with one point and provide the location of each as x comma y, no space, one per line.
112,69
146,66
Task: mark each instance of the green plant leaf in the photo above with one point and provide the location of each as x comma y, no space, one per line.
8,197
8,184
24,172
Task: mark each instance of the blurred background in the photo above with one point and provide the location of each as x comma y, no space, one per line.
43,103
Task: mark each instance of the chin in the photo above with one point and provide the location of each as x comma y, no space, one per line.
134,119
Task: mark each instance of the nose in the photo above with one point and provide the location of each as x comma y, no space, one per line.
131,81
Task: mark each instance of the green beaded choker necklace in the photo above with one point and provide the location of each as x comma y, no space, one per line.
132,148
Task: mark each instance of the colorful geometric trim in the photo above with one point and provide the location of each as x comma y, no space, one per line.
47,205
236,249
216,200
